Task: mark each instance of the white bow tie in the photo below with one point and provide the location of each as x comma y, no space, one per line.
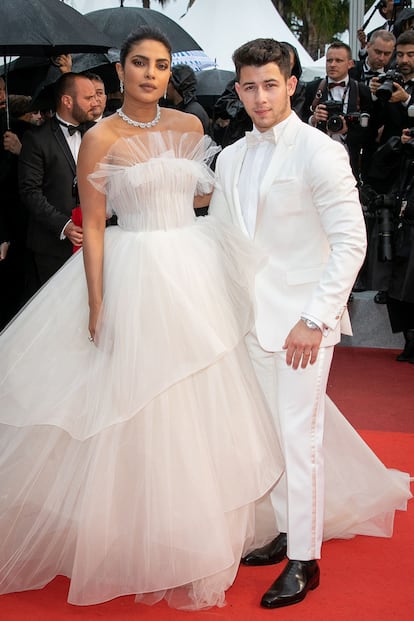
254,138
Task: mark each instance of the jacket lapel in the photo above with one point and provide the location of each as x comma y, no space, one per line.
285,143
62,142
238,162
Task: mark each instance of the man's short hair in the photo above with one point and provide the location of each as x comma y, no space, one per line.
385,35
261,52
66,85
340,45
406,38
93,76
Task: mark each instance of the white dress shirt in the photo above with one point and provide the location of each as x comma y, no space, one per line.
253,169
74,143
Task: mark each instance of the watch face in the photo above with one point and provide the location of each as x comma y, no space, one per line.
310,324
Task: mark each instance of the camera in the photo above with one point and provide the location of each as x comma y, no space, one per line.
387,80
336,117
383,205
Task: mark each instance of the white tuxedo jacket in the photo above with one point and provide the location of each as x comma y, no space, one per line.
310,225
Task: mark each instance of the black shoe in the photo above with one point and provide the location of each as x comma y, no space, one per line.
270,554
407,355
297,578
380,297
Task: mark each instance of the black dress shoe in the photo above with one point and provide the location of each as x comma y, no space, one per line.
270,554
297,578
407,355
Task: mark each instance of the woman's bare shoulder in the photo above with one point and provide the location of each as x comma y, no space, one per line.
181,121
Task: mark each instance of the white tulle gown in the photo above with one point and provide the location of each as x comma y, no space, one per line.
141,464
132,466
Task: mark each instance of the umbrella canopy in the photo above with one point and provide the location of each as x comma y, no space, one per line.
46,28
25,73
118,23
211,83
28,74
101,64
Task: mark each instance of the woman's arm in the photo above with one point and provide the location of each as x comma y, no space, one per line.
93,205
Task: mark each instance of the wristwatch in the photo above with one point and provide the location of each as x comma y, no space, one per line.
310,324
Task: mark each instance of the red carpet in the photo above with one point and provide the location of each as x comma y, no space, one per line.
363,579
372,389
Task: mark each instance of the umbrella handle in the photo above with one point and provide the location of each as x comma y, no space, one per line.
6,93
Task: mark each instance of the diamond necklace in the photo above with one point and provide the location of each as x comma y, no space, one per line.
152,123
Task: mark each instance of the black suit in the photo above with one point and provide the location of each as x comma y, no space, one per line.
12,229
46,175
359,100
395,116
359,72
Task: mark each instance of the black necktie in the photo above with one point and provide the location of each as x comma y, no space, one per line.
81,128
333,84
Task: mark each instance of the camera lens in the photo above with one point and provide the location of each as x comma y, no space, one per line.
334,124
385,91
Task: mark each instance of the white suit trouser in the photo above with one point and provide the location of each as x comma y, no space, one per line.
297,402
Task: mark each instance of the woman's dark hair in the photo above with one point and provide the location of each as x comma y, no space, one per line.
261,52
143,33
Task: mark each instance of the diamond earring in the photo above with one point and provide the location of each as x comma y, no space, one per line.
121,86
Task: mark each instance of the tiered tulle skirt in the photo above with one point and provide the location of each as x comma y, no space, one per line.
133,465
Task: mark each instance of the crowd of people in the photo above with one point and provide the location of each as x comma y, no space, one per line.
163,407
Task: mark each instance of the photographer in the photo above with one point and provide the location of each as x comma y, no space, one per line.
400,302
393,92
393,212
380,49
391,11
386,9
341,106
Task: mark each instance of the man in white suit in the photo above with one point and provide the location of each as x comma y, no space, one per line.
291,190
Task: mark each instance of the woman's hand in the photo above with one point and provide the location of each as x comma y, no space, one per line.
93,320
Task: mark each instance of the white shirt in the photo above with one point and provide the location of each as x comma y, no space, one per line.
73,141
253,169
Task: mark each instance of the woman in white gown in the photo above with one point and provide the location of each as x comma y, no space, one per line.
132,463
134,456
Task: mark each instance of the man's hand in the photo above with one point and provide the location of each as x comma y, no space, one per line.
320,114
302,345
12,143
63,62
374,84
362,38
73,233
4,246
399,94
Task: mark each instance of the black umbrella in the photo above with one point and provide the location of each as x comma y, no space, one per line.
118,23
28,74
211,83
101,64
45,28
25,73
